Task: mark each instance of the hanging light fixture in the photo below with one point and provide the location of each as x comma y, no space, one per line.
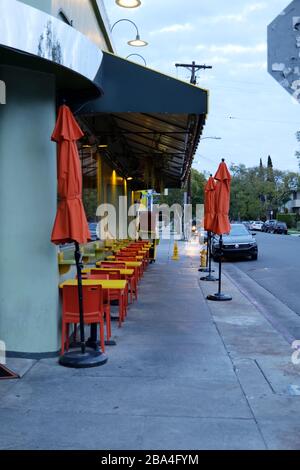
137,42
128,3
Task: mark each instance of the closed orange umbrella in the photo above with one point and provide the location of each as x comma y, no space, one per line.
221,223
209,212
70,223
209,203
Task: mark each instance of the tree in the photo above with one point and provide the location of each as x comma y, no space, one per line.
257,191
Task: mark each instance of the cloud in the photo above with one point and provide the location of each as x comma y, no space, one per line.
233,49
254,65
174,28
242,16
215,60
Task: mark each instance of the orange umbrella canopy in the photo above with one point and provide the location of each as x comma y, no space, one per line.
70,223
221,222
209,203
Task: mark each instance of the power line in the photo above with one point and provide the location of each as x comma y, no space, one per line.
234,118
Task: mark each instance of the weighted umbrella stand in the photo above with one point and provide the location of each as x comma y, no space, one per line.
82,358
209,277
219,296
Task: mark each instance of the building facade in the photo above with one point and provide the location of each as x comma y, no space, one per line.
293,205
141,131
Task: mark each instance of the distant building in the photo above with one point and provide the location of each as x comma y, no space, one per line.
293,205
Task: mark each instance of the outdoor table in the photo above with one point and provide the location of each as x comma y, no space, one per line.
123,272
113,258
136,265
127,274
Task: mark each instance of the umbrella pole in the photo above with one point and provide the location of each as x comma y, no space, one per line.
219,297
209,277
80,295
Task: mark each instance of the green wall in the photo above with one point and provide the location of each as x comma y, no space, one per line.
29,307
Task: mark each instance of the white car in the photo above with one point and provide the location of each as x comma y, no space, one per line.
257,225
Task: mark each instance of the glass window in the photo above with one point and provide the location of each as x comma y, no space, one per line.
238,230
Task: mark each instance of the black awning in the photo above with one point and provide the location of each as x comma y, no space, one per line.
151,122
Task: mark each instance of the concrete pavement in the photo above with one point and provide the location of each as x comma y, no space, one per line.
185,374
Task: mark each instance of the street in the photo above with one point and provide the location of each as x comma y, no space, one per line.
277,270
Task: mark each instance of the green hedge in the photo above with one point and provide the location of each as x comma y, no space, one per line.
289,219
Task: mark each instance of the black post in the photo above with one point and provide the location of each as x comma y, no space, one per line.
78,260
219,297
220,264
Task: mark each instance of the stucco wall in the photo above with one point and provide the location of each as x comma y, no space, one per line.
29,307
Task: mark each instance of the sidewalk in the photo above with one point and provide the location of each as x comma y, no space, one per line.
185,374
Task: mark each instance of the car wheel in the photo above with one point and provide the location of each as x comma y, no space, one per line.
254,257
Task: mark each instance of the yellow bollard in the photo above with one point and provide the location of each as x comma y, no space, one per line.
175,256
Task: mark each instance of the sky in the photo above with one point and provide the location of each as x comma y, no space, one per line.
254,116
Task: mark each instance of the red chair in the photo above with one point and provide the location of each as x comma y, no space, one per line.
92,307
106,299
132,280
107,264
113,294
132,259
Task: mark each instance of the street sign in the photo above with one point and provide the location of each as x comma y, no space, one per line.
284,49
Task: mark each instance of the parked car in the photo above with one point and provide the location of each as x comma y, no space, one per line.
257,225
238,243
269,225
247,224
93,230
280,227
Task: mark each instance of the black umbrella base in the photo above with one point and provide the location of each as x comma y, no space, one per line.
219,297
96,345
208,278
77,360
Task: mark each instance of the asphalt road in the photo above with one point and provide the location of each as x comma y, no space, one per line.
277,268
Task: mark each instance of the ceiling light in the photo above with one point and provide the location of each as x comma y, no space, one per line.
128,3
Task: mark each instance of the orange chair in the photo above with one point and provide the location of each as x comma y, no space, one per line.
132,280
92,307
106,300
107,264
123,258
113,294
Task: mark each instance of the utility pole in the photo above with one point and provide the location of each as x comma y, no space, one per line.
194,68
